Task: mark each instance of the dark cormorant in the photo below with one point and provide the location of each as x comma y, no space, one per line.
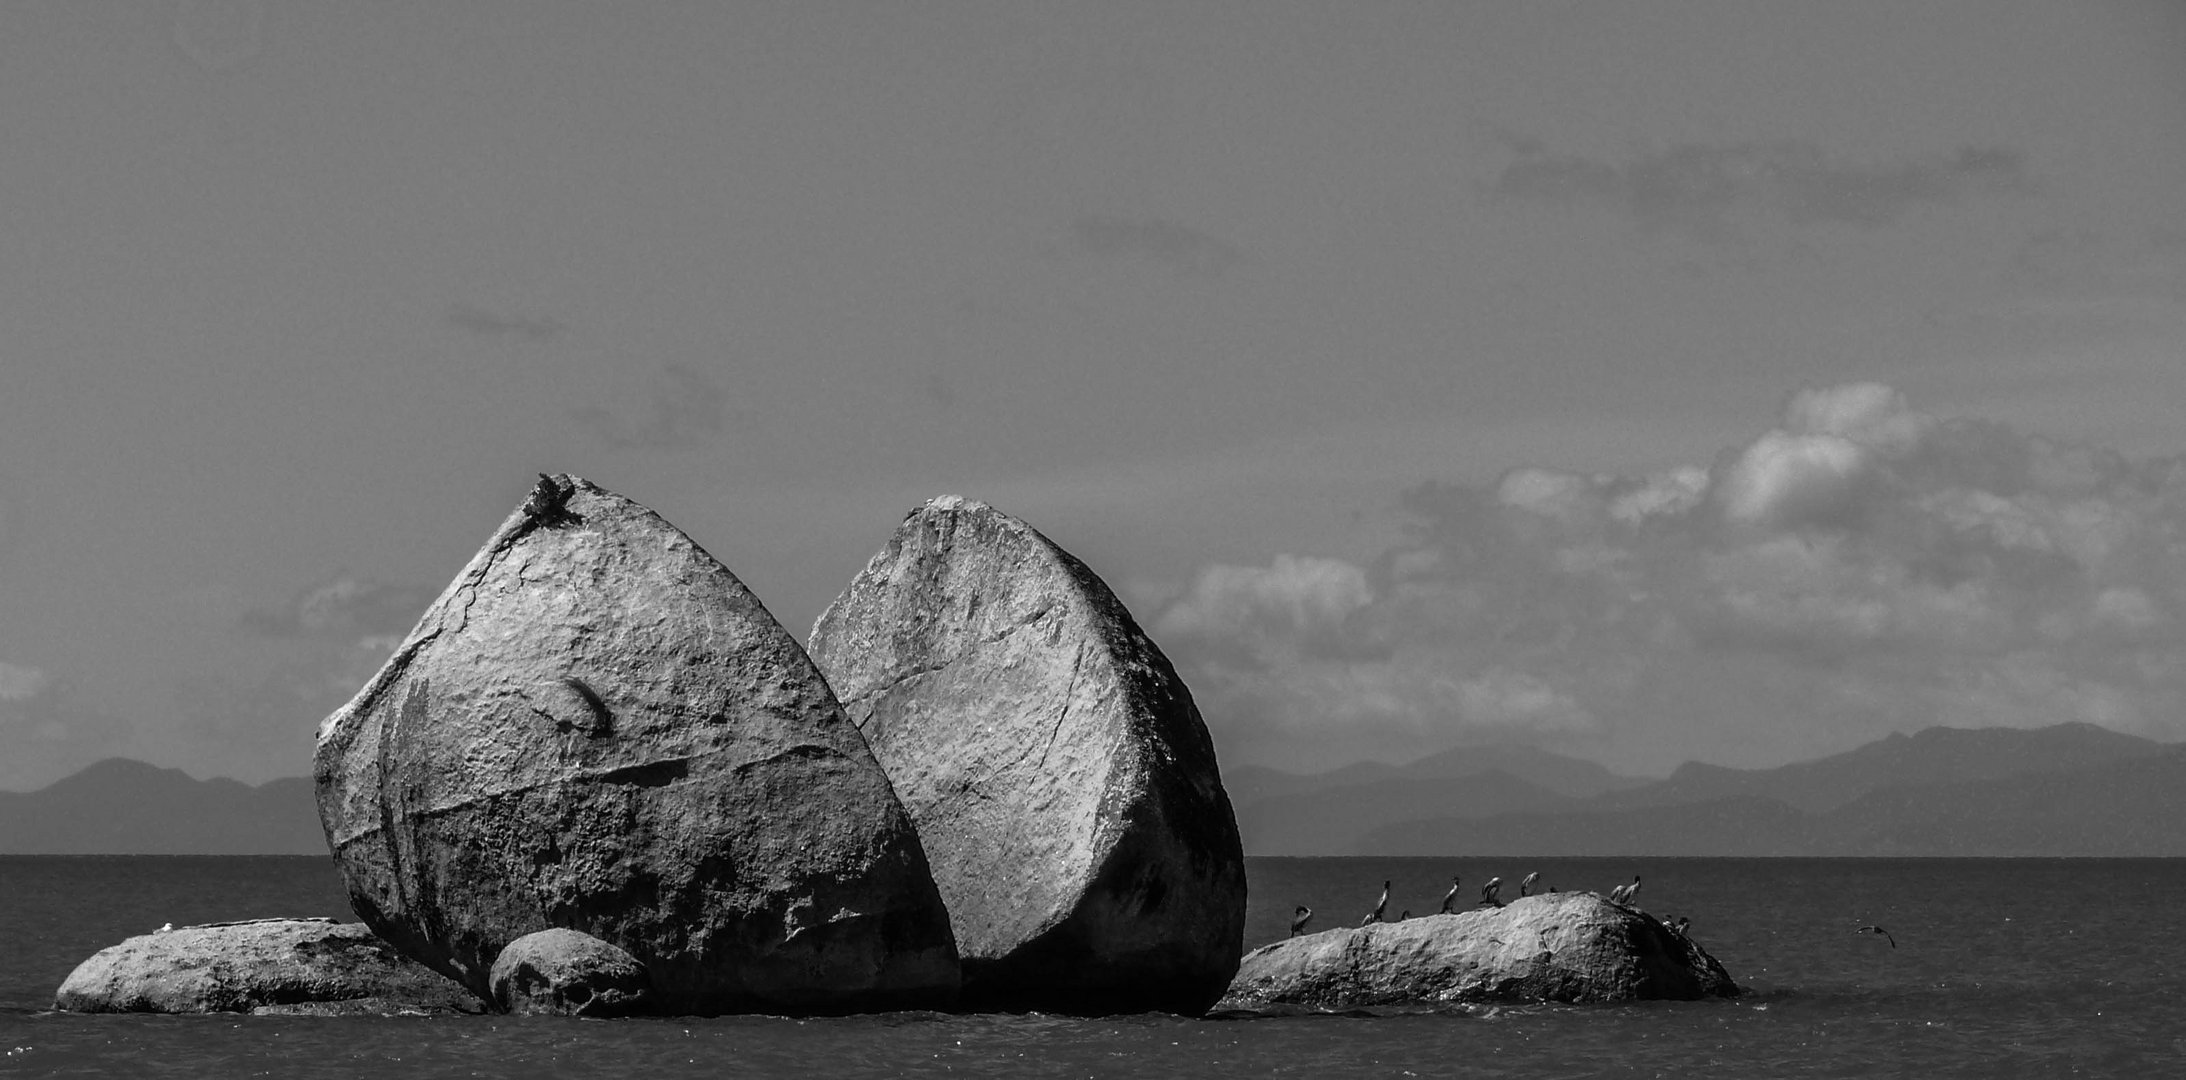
1525,887
1623,894
1380,906
1878,930
1488,892
1681,924
1298,922
1405,914
1449,899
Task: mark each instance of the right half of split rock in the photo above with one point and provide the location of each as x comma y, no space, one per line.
1063,784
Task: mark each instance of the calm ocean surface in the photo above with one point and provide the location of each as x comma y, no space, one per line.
2018,967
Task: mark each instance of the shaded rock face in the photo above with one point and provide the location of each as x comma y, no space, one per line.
296,966
1567,947
565,973
1063,784
597,727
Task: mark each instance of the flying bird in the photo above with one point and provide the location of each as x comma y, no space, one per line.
1878,930
1298,922
1525,887
1449,899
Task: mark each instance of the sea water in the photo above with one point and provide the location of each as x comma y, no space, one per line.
2004,967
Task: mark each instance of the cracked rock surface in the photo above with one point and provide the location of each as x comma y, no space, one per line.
597,727
1062,781
1565,947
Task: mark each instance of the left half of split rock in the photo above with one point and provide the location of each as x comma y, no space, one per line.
597,727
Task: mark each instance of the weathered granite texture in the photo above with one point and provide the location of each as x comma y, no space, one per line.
263,965
564,973
1062,782
1568,947
598,727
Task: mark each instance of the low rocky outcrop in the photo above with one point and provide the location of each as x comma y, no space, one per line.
1062,781
564,973
1565,947
298,966
597,727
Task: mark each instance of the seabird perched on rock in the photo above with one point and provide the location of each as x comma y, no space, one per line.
1525,886
1405,914
165,928
1878,930
1449,899
1678,927
1298,922
1623,894
1488,892
1380,906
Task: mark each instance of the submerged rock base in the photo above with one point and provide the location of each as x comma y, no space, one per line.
1563,947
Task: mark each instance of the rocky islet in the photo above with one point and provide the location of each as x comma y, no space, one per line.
599,779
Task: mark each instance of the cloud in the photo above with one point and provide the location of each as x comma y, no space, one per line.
1705,191
685,407
343,609
478,320
1185,250
1857,568
1295,602
19,683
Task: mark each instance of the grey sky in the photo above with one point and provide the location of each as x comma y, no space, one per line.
298,297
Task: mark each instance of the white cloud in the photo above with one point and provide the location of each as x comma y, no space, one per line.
1858,568
19,683
1295,598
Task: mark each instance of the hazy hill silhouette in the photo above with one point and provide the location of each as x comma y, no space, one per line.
1930,756
1281,813
2072,789
124,807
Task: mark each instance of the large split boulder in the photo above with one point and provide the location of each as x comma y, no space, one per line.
262,965
1062,781
598,727
1567,947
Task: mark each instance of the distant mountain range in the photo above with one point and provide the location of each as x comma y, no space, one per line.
2072,789
123,807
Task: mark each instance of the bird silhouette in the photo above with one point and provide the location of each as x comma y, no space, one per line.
1489,891
1298,922
1449,899
1380,906
1525,887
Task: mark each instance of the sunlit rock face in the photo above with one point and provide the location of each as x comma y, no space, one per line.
299,966
1567,947
598,727
1062,781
